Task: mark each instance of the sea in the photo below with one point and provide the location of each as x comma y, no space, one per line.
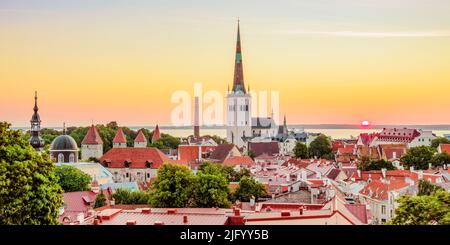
337,131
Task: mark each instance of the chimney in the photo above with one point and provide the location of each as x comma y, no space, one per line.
80,218
252,201
158,223
420,174
96,222
301,210
285,213
359,173
411,168
131,222
171,211
383,173
394,155
429,165
268,209
197,118
146,211
185,219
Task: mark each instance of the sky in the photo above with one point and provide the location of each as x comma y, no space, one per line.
332,62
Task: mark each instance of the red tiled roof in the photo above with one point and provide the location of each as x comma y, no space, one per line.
170,216
259,148
297,162
140,137
345,150
221,152
333,174
92,137
336,144
188,153
398,134
156,134
138,157
239,160
444,148
359,211
378,189
314,183
120,137
367,138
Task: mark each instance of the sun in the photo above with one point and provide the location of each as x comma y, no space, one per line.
365,123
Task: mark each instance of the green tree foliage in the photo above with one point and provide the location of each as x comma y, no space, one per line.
100,200
169,141
418,157
427,188
251,154
440,159
439,140
247,188
29,190
301,150
124,196
321,147
229,172
173,187
423,209
72,179
376,165
211,189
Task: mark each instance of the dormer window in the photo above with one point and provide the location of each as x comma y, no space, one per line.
148,164
127,163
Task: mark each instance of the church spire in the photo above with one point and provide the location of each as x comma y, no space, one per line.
36,140
35,102
238,81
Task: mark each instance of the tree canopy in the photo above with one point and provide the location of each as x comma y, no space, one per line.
320,147
72,179
29,190
439,140
173,187
301,150
124,196
432,206
248,188
375,165
100,200
440,159
211,188
419,157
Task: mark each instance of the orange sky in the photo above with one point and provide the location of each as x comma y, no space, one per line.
330,64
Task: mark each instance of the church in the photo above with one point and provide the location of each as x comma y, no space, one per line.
241,127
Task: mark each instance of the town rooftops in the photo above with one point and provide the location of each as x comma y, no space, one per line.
156,134
444,148
92,137
221,152
239,160
379,189
259,148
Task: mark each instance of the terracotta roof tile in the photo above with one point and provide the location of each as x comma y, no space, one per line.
239,160
92,137
120,137
138,157
140,137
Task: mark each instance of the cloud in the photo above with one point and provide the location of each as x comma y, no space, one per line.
372,34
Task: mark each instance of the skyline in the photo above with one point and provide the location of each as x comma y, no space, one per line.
332,63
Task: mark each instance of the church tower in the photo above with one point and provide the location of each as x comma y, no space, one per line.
35,140
239,123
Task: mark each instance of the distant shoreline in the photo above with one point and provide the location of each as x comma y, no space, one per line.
299,126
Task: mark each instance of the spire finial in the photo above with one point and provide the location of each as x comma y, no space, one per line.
64,127
35,102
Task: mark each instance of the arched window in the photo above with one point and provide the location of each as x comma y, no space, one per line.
60,157
71,157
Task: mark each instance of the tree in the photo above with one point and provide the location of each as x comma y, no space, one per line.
251,154
124,196
247,188
72,179
364,162
440,159
100,200
211,190
423,209
439,140
427,188
229,172
29,190
418,157
377,165
320,147
301,150
173,187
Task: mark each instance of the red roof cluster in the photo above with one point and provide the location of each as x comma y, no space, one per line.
400,135
379,189
92,137
259,148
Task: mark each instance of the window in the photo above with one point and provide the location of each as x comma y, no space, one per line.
148,175
127,175
71,157
383,209
60,157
